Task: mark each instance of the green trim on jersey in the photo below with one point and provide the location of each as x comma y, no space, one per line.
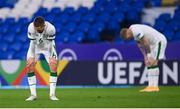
53,74
159,49
153,67
31,74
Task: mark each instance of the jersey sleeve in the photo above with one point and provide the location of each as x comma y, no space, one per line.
51,33
138,34
30,32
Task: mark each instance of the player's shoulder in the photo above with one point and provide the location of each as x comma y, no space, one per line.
50,28
31,28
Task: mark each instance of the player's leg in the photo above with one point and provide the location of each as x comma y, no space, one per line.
153,70
30,66
51,58
160,55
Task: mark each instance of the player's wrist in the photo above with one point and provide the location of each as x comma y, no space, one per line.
148,55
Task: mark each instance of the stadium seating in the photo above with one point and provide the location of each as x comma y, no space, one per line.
76,21
169,25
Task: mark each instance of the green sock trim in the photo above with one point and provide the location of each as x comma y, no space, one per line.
31,74
31,84
153,67
53,74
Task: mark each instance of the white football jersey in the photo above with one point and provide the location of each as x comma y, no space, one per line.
140,31
42,40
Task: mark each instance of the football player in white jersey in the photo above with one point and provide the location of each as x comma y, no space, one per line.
41,34
152,45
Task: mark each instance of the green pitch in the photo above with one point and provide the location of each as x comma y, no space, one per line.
93,97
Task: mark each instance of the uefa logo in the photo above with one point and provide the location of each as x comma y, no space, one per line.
112,55
68,54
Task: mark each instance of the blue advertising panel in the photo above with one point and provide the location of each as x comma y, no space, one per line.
109,52
116,73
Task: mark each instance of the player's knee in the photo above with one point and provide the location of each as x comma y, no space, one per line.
154,63
30,65
53,64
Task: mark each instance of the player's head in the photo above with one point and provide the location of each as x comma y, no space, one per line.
39,24
126,34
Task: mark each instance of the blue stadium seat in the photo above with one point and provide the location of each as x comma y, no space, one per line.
3,46
50,17
76,17
15,46
70,27
177,36
133,16
77,37
10,38
21,38
89,17
23,21
165,17
114,25
177,16
118,17
124,7
174,25
4,29
64,18
84,27
155,3
20,55
159,25
69,10
93,36
99,26
63,37
9,21
103,17
82,10
169,34
56,11
111,7
41,12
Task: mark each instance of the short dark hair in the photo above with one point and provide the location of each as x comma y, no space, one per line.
123,33
39,21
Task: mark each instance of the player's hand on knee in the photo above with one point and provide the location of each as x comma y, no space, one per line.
53,64
30,65
152,61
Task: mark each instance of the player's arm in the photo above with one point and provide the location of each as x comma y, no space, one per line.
30,34
53,59
146,44
142,49
52,33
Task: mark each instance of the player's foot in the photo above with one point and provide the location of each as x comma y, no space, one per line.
31,98
150,89
53,98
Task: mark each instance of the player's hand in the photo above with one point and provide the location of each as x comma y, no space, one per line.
146,61
151,60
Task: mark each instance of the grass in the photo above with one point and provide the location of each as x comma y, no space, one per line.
168,97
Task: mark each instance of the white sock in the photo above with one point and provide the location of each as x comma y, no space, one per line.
150,78
32,85
53,81
156,77
153,77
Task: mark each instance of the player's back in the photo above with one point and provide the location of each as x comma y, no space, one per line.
153,35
